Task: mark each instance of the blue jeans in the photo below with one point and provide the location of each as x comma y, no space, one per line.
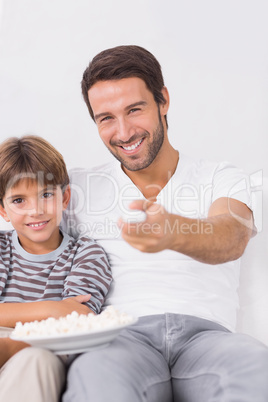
172,358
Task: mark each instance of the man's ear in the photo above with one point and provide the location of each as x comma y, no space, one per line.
164,106
4,214
66,197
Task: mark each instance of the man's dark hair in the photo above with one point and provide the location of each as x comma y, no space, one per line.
124,62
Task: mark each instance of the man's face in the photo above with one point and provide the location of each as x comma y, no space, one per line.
129,121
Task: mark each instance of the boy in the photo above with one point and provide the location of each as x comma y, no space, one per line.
43,271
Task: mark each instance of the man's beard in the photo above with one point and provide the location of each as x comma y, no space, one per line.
132,163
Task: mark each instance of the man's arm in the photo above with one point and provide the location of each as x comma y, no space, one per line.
219,238
10,313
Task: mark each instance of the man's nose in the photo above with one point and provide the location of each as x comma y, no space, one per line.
125,130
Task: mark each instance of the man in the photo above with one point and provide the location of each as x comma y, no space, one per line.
177,267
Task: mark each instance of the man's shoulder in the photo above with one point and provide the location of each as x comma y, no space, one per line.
198,167
92,186
106,168
201,166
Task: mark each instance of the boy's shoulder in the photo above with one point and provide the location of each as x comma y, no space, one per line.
83,242
6,236
6,243
85,248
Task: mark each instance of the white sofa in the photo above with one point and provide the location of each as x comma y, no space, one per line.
253,290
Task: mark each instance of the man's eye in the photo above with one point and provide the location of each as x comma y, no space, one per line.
105,118
135,109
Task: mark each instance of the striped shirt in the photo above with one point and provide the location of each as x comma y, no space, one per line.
76,267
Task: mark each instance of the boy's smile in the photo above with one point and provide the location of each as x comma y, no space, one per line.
38,225
35,211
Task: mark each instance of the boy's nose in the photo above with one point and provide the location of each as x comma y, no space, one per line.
36,208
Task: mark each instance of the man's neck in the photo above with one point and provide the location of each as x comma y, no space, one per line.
154,178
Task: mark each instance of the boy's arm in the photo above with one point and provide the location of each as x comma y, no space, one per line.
90,273
85,289
10,313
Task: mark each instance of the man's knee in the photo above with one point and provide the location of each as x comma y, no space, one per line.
228,366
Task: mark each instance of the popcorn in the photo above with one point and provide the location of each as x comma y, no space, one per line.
72,324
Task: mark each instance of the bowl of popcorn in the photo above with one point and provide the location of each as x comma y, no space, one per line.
74,333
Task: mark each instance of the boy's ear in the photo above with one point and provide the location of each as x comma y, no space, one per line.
4,214
66,197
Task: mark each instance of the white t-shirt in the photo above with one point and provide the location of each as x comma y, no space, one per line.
167,281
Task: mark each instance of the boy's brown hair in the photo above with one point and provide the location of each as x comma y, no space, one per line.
33,158
124,62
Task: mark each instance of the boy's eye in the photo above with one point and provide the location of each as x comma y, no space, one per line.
17,201
48,195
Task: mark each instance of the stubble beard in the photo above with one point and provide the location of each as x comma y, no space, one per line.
132,163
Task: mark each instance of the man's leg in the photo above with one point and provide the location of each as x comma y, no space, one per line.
130,369
32,375
216,365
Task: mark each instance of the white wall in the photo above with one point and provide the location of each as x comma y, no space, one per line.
213,54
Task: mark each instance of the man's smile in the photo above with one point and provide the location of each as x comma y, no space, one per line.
133,146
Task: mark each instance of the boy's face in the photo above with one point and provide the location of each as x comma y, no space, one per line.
35,211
